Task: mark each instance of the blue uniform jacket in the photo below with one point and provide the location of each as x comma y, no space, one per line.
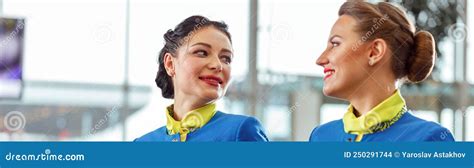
407,129
221,127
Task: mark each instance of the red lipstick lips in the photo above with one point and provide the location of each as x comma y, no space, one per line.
211,80
328,73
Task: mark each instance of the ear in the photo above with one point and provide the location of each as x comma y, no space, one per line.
168,61
377,49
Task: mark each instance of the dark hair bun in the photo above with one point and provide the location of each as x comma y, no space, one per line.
421,63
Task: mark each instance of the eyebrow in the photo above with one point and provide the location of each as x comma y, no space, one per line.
209,46
334,36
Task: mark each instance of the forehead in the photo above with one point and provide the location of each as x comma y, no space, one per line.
210,35
344,25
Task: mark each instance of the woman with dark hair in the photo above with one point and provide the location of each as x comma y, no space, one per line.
194,70
371,49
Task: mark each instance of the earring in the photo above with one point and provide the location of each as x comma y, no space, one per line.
371,62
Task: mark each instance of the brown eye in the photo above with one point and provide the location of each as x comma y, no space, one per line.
226,59
335,44
201,53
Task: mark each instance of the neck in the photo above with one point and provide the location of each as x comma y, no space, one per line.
369,96
184,104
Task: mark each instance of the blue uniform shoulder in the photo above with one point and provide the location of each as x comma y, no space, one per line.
155,135
245,128
421,129
327,132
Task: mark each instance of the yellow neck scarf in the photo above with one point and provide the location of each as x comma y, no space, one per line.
193,120
378,119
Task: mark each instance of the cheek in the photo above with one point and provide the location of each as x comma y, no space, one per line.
227,71
187,74
348,66
353,72
192,68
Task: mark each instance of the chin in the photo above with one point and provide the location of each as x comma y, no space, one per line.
334,94
326,91
330,92
210,95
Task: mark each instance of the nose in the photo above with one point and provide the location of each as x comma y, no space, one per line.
322,59
216,64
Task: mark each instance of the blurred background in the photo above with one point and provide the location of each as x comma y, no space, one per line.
83,70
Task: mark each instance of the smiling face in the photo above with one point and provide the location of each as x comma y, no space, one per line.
344,60
202,66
